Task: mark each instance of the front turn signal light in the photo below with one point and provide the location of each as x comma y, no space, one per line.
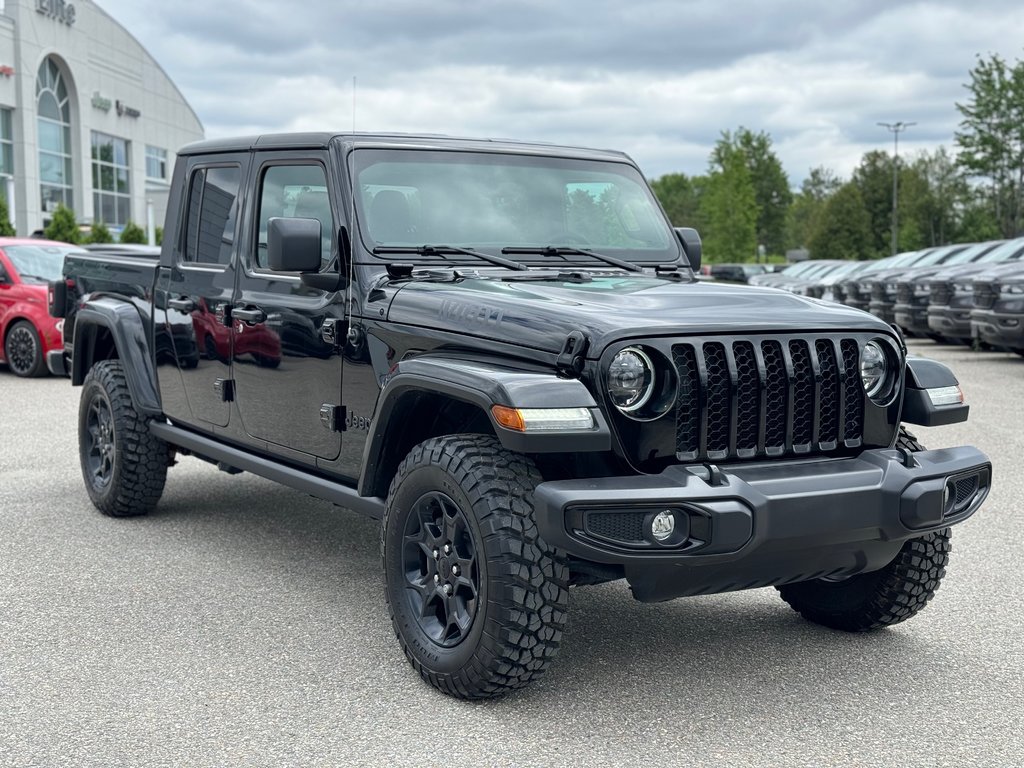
543,419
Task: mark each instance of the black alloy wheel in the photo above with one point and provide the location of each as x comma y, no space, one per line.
99,441
441,569
24,351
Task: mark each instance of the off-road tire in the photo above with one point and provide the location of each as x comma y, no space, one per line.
137,468
23,339
520,612
878,599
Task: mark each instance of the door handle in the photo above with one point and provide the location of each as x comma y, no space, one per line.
248,315
182,305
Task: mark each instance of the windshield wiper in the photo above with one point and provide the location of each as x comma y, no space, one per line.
568,250
441,250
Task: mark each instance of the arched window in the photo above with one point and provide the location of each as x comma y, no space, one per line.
53,112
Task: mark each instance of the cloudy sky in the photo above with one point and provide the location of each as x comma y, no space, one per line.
659,79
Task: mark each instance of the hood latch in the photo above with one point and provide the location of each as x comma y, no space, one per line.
572,358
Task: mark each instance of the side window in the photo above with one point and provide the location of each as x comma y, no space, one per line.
212,211
295,191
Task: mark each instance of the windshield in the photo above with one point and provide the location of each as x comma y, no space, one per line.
970,254
1008,251
490,201
39,263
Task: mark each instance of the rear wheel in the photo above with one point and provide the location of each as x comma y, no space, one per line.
476,597
124,466
24,350
880,598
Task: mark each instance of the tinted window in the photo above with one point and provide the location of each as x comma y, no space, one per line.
212,210
295,191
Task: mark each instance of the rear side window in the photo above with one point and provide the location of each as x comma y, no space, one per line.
212,213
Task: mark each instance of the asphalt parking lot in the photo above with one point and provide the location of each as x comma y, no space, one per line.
244,624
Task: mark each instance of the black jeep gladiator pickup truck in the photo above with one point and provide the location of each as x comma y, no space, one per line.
500,351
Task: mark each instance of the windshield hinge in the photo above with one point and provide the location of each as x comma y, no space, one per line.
571,359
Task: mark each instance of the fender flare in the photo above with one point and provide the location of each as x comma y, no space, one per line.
131,339
924,375
483,384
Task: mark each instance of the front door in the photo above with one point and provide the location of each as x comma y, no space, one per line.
286,369
197,288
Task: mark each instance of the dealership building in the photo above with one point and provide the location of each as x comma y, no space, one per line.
87,117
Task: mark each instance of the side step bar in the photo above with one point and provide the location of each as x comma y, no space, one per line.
300,480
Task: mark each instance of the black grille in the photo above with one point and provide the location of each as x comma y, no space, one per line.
618,526
768,397
966,487
984,295
904,293
878,292
941,293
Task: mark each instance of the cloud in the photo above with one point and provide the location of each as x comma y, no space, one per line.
659,80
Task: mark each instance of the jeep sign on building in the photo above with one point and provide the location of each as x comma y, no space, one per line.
87,117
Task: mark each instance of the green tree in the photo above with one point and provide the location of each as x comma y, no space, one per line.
680,196
133,233
63,227
6,230
991,137
771,186
873,178
938,212
100,233
729,208
843,230
159,236
802,217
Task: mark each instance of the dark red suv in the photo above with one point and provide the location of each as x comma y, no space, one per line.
27,330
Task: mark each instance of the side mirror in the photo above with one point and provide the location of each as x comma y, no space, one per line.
690,240
293,245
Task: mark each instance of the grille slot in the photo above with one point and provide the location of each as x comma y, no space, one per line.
626,527
767,397
984,295
966,487
941,293
904,293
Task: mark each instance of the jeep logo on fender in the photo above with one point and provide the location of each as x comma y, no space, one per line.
357,422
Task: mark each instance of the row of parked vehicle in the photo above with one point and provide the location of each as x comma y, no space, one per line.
953,293
26,328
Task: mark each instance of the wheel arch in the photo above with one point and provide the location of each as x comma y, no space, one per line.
110,329
434,395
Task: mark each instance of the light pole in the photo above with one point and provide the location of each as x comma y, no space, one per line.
895,129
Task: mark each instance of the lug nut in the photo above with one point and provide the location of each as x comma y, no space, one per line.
436,578
447,589
455,570
447,549
436,554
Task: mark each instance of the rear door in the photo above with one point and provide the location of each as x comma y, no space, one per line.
287,369
195,290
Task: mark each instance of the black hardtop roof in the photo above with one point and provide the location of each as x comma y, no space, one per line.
321,139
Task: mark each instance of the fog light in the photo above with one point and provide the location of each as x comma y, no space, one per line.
663,525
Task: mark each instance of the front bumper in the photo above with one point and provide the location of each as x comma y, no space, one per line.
762,524
912,318
951,322
999,329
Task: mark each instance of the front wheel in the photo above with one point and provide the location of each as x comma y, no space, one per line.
24,350
477,599
124,466
881,598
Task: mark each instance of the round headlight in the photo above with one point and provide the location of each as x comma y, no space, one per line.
874,368
630,379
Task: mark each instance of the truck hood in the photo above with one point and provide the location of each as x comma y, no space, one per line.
540,314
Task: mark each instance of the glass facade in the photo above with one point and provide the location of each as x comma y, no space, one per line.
156,163
54,127
6,151
111,180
